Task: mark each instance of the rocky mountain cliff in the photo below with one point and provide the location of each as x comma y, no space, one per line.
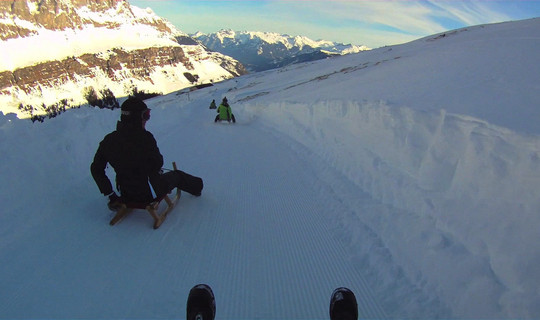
260,51
56,51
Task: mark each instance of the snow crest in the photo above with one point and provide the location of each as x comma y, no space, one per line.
457,177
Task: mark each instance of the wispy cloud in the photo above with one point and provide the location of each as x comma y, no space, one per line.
390,22
370,22
469,12
409,17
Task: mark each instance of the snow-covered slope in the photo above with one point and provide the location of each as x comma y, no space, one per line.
54,50
260,51
407,173
92,31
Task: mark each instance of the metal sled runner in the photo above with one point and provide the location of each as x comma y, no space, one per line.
151,208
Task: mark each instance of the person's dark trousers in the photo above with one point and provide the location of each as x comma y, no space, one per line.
182,180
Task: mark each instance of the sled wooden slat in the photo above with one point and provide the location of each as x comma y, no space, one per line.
120,214
151,208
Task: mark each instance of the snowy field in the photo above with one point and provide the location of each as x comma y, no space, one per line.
409,174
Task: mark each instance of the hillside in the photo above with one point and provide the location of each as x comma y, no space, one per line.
407,173
53,52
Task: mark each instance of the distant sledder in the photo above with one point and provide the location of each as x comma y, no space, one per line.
133,153
224,112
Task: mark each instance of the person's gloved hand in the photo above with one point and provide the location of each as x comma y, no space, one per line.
115,202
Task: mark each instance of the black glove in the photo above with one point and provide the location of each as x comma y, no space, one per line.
115,203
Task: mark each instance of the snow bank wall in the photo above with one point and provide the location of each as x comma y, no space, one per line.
475,182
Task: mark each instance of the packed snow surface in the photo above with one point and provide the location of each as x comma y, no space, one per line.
409,174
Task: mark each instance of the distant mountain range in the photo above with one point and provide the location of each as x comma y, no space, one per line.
259,51
54,52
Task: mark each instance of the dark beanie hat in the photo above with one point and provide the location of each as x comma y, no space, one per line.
132,109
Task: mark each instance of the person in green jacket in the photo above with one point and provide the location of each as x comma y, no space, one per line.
224,112
213,104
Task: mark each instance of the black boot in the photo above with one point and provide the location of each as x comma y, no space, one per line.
343,305
201,303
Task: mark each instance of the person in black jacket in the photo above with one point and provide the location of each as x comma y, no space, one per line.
133,153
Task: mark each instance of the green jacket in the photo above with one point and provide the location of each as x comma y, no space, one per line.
224,111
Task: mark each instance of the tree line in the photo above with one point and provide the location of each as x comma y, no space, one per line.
104,99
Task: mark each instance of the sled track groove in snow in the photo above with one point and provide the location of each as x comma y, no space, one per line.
263,235
283,252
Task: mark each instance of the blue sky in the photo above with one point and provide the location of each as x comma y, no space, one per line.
362,22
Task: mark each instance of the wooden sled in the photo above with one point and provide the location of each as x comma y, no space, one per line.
152,208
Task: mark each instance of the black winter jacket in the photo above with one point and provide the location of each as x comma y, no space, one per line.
133,153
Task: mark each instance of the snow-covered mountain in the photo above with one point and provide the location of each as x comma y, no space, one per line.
409,173
260,51
55,50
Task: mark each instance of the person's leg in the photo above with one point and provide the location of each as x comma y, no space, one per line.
181,180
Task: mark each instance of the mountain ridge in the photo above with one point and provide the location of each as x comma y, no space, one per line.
260,51
54,50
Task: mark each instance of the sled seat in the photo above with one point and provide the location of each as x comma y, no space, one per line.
151,207
143,205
